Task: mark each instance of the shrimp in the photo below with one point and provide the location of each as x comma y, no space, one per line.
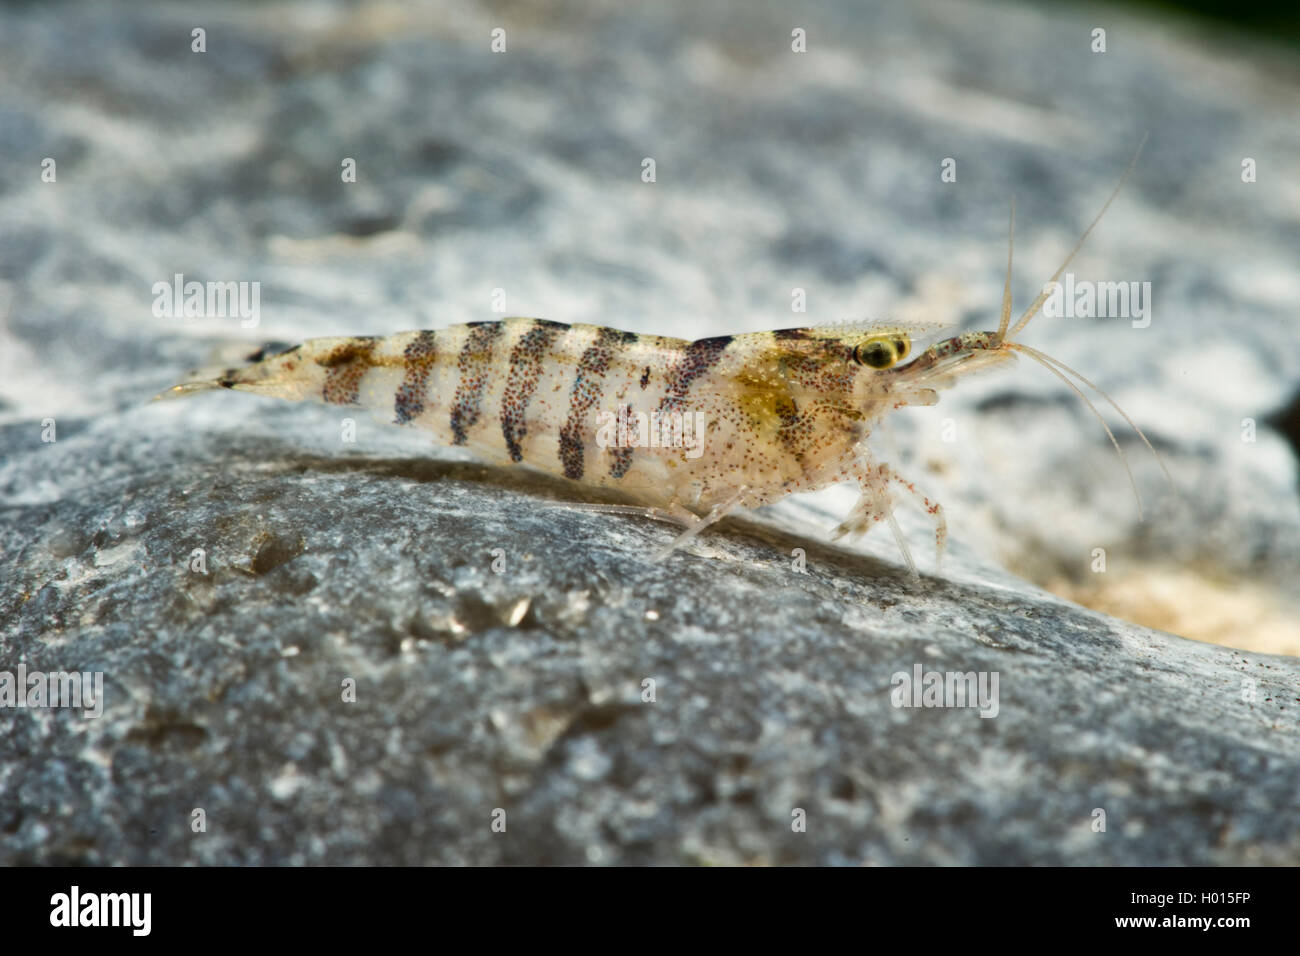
686,431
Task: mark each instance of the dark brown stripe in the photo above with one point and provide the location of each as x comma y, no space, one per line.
347,366
795,430
700,356
475,364
526,360
271,349
622,461
420,355
588,383
794,334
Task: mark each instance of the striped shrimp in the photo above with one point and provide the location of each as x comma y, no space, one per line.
778,413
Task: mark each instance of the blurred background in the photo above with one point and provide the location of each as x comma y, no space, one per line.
795,146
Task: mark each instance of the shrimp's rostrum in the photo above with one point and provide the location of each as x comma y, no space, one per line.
778,412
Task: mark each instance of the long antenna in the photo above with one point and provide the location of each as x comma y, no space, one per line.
1006,288
1042,296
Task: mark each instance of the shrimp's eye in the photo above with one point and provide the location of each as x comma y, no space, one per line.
880,353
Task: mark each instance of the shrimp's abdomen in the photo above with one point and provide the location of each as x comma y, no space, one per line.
520,391
667,422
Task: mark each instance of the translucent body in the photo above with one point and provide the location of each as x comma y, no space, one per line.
686,431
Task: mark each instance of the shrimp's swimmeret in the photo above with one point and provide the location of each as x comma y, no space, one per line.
778,412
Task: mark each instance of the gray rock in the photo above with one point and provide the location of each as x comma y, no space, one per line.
500,641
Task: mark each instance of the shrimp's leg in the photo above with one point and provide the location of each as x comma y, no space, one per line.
674,514
876,504
637,511
719,512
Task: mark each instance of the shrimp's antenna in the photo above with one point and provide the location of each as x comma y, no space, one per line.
1097,388
1044,361
1057,367
1006,289
1042,296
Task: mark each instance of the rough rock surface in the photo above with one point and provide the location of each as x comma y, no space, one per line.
499,641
